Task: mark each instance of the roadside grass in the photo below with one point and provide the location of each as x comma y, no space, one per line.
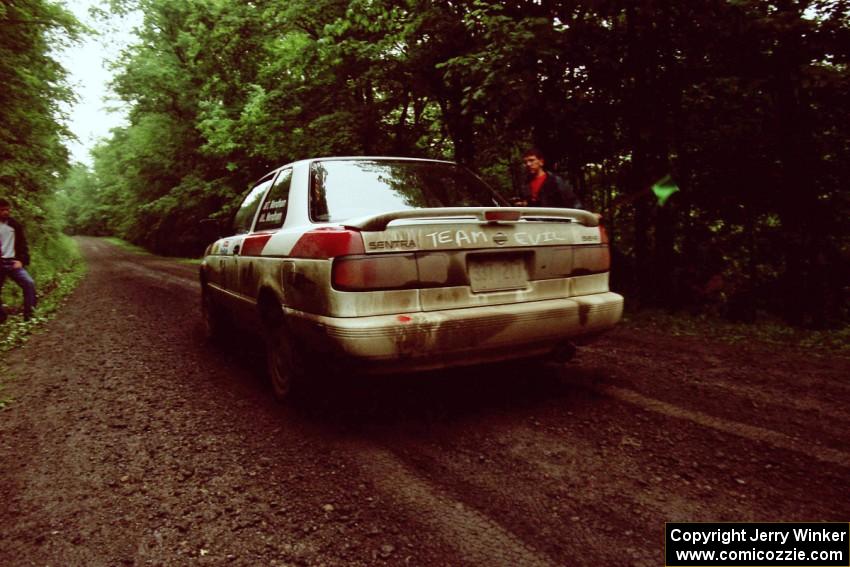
835,341
130,247
57,268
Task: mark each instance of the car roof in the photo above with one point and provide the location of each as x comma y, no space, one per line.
371,158
301,162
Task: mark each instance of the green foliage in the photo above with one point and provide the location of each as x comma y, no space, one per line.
57,268
743,104
31,134
32,154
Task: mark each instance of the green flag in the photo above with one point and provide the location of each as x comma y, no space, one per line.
663,189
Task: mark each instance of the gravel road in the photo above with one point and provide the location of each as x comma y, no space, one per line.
131,441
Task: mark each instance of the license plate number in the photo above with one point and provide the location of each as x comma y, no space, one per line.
496,275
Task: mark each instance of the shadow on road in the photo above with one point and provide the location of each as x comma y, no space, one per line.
352,401
445,397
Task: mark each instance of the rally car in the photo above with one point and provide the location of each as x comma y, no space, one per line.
385,264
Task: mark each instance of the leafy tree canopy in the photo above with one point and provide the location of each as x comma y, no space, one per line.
743,103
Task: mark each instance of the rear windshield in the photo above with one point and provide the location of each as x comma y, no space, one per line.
344,189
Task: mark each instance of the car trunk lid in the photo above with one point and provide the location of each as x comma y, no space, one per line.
488,256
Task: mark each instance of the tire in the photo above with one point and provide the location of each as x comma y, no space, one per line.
284,366
215,324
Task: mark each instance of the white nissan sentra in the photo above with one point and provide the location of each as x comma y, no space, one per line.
394,264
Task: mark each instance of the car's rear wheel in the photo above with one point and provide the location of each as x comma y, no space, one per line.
283,363
214,320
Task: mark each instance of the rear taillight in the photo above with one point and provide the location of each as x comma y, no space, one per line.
328,242
603,262
591,259
375,273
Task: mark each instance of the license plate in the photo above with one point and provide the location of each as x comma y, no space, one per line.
497,274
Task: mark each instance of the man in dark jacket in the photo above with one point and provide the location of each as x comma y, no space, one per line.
14,255
543,188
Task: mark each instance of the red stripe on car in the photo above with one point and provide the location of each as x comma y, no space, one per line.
253,245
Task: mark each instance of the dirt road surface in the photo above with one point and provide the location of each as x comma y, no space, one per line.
131,441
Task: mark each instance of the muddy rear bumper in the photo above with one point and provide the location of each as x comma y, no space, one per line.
473,335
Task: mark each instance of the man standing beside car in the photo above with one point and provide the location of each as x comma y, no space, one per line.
14,256
544,188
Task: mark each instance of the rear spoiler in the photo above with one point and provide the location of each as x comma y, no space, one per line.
380,221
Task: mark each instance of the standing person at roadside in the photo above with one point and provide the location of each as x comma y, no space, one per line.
542,187
14,255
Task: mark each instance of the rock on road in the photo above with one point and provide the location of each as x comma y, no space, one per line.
131,441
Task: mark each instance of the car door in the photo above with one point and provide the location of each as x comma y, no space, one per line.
252,267
230,247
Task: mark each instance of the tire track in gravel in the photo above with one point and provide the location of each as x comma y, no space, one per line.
804,404
164,278
775,395
800,399
815,372
752,432
479,538
593,467
536,501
